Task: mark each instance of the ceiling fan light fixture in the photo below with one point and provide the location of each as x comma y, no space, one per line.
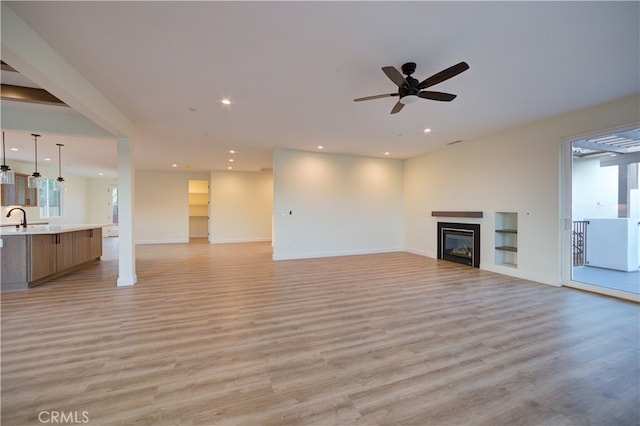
409,99
411,89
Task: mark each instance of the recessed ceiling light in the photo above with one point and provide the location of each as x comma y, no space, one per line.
174,165
320,147
427,130
387,153
231,151
47,159
14,149
100,174
226,101
231,160
230,168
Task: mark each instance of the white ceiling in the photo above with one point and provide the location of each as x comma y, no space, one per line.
292,70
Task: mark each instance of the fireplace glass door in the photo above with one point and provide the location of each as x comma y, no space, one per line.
459,245
459,242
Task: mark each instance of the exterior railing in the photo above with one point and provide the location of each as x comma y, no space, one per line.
579,242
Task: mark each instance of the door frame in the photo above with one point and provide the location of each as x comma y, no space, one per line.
566,203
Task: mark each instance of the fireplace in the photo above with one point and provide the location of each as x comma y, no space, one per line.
459,242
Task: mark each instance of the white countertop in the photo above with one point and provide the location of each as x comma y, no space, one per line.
45,229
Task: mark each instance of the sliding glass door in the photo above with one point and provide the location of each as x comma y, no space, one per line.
602,213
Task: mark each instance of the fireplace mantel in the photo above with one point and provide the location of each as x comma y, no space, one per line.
456,214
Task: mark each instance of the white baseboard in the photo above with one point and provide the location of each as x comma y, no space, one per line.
167,241
515,272
294,256
503,270
424,253
240,240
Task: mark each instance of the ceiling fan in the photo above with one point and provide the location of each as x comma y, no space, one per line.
410,89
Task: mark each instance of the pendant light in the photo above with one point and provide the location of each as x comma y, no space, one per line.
7,177
60,180
34,180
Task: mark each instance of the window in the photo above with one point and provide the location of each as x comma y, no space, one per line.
50,199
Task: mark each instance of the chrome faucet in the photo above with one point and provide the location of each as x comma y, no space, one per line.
24,216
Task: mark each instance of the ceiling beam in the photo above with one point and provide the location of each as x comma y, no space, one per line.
600,147
7,67
620,160
28,94
35,59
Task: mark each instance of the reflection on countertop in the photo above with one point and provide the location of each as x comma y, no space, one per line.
45,229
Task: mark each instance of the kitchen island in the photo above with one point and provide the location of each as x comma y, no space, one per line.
35,254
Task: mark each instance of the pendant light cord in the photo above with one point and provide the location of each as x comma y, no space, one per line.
4,152
60,179
35,139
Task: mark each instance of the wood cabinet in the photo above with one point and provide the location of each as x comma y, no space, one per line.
32,259
64,252
87,245
50,254
43,256
19,194
13,256
96,243
82,246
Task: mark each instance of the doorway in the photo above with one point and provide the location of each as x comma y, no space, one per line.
113,210
198,211
602,213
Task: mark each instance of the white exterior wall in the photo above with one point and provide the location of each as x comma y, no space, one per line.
330,205
595,189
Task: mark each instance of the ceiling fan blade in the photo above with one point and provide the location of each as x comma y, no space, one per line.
437,96
443,75
394,75
368,98
397,107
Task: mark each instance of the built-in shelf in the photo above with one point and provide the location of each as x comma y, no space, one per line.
506,239
456,214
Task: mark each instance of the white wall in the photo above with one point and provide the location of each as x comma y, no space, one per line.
515,171
241,206
161,211
100,202
329,205
75,204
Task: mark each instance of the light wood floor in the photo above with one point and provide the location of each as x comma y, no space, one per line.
222,335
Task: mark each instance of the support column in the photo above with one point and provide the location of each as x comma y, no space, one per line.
127,246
